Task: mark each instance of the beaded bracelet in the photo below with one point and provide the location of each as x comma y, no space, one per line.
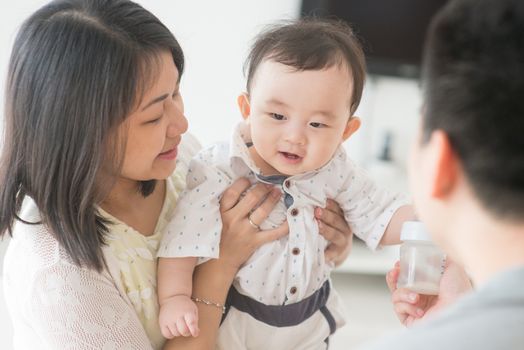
207,302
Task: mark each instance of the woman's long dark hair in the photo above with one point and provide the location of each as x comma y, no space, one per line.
78,68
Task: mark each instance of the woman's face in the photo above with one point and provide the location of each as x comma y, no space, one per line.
154,130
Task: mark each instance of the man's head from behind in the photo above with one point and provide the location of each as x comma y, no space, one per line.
473,124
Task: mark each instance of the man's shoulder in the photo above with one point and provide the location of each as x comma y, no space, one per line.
475,322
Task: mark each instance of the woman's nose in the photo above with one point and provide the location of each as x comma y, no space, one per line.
177,120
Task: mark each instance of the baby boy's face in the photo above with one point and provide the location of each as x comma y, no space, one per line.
299,118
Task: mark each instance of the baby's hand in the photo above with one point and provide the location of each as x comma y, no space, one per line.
178,317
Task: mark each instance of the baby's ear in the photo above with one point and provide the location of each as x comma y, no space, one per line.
352,126
243,105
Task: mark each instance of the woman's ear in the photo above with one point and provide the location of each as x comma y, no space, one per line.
243,105
352,126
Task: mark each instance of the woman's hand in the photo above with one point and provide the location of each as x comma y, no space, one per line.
411,307
240,236
335,229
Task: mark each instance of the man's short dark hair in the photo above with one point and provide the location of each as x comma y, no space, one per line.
474,91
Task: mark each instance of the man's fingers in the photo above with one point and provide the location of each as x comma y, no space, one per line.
392,278
403,295
409,320
403,310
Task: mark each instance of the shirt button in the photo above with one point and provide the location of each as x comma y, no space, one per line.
294,212
295,251
287,183
293,290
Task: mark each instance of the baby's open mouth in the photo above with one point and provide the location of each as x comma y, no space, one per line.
290,155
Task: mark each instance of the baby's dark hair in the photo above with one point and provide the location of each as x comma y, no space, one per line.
310,44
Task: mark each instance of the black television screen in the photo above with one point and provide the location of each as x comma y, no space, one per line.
392,31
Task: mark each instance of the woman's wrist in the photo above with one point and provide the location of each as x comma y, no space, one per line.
343,256
212,280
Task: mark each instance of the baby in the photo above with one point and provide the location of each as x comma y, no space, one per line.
304,83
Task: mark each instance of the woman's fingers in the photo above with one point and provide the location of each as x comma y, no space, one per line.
333,217
260,214
333,227
331,205
267,236
251,199
254,204
240,237
332,235
331,253
232,194
339,245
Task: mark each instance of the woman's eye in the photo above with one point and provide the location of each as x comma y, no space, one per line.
154,121
277,116
317,125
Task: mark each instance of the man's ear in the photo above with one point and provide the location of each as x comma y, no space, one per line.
243,105
352,126
444,165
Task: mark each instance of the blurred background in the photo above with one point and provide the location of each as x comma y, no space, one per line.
216,35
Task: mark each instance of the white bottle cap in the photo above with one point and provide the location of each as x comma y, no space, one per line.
414,231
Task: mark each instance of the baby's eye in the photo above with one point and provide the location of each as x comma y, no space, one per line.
277,116
317,125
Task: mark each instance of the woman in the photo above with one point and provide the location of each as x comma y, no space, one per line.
92,165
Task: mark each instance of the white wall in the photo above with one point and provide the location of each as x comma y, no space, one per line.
215,36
